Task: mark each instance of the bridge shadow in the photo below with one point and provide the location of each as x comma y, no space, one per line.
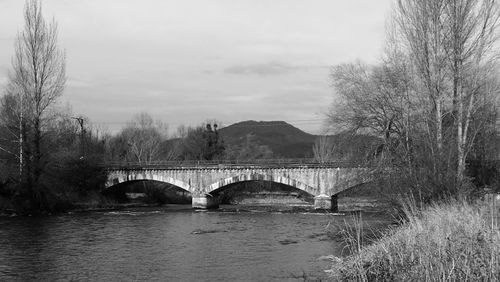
261,192
148,192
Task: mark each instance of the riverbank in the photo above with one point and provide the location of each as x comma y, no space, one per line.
95,201
454,241
92,201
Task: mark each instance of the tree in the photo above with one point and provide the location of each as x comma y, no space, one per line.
324,149
38,78
451,44
473,33
10,139
433,98
373,100
140,141
419,26
202,143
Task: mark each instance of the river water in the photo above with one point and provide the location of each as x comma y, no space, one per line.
171,243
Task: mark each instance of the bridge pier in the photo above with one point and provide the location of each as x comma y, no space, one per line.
325,202
205,201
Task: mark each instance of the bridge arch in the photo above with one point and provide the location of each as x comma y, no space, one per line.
262,177
144,177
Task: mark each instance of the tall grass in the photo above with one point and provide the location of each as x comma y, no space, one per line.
352,233
453,241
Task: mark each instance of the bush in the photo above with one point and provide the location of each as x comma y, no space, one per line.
82,174
448,242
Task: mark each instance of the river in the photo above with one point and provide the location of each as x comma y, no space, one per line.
172,243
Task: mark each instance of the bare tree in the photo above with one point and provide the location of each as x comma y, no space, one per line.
420,25
472,29
323,149
373,100
39,78
451,44
143,137
434,92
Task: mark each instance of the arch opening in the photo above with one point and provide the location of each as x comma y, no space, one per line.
146,191
260,177
262,192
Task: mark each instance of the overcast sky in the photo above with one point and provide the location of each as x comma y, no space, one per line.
185,61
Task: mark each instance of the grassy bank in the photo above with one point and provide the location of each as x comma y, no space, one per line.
455,241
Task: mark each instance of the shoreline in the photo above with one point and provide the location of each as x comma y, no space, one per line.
455,239
83,207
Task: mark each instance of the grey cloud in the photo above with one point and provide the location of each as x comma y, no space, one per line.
270,68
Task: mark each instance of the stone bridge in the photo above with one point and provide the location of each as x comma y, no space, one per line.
323,181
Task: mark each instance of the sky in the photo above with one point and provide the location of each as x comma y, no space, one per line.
188,61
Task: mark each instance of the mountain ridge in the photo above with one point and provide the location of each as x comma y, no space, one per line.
288,141
284,139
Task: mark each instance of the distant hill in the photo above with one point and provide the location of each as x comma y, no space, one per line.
285,140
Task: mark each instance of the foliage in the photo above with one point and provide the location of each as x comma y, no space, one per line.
455,241
140,141
82,175
433,98
202,143
70,159
323,149
37,80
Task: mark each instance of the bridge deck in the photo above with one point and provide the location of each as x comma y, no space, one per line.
233,164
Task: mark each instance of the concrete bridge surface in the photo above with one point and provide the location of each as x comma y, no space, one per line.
202,179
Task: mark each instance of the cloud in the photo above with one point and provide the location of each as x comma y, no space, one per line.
270,68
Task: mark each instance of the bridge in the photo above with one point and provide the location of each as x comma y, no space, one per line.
202,179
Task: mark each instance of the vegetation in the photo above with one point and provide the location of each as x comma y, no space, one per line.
432,101
140,141
202,143
453,241
347,147
40,144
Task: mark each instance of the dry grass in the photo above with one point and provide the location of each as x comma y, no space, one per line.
455,241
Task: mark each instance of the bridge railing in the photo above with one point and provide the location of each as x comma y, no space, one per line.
309,162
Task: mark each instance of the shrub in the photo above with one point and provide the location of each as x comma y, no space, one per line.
447,242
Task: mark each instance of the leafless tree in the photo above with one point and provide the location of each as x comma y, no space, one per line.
38,74
451,44
472,29
323,149
420,25
144,137
373,100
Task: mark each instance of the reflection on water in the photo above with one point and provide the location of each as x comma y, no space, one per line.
167,244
